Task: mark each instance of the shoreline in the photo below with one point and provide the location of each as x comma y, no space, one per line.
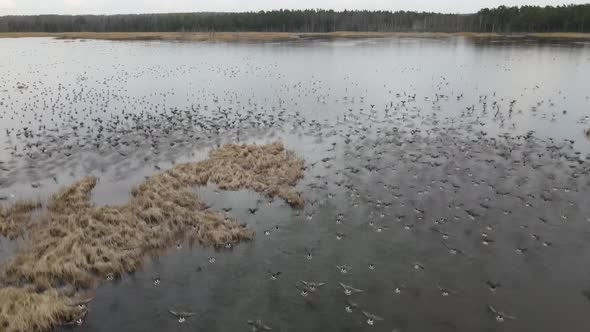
280,36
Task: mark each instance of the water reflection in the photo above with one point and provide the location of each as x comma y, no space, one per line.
446,180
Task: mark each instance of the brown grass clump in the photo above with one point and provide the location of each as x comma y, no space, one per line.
268,169
75,243
22,310
14,219
560,35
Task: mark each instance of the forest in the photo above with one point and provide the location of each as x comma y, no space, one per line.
567,18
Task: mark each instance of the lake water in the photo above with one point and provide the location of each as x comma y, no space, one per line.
444,166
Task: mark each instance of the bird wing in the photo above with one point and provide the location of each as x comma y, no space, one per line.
442,289
86,301
72,322
372,316
352,304
80,302
508,316
492,284
356,289
494,311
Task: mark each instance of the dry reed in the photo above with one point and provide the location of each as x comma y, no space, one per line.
14,219
22,310
75,243
268,169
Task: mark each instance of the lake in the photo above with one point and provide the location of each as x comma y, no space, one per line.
446,178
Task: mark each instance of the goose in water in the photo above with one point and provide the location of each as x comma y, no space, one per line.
349,290
452,251
274,275
82,304
304,291
493,286
418,266
371,318
78,321
444,291
312,286
350,306
344,269
181,315
258,325
500,315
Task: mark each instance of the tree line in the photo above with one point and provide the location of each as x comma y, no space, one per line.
567,18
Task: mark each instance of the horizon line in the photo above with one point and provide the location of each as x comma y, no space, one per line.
291,9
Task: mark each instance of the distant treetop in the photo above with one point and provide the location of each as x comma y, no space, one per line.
567,18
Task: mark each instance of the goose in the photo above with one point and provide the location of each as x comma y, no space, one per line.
181,315
258,325
500,316
349,290
371,318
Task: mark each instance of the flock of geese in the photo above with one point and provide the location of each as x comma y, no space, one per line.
439,170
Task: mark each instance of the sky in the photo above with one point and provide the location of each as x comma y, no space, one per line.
34,7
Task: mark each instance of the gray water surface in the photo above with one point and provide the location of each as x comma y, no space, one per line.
434,169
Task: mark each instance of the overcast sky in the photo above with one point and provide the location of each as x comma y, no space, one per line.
28,7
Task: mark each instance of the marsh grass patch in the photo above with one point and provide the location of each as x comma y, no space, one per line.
75,244
24,310
14,219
